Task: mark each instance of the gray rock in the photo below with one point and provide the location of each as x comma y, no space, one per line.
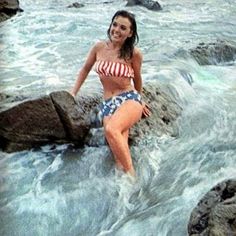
70,115
164,113
215,214
76,5
9,8
3,16
35,121
149,4
214,53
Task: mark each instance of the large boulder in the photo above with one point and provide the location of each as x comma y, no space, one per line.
59,118
54,118
149,4
30,122
9,8
214,53
215,214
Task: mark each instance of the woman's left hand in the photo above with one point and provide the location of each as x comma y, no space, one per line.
146,110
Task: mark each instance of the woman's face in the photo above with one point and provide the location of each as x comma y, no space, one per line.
120,29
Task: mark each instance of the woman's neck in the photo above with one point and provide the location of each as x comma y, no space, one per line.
114,46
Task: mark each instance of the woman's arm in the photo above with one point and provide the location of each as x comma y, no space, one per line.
83,73
137,64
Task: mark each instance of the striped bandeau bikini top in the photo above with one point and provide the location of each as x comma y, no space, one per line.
114,69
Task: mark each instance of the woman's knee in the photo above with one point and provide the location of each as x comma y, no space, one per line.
111,131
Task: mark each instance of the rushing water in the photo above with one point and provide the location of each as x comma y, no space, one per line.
60,190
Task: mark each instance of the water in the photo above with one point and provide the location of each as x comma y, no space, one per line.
59,190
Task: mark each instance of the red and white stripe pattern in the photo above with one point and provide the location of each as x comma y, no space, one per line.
114,69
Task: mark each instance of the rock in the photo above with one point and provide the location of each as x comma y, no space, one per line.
3,16
164,113
214,53
55,118
149,4
74,115
76,5
35,121
58,118
9,8
215,214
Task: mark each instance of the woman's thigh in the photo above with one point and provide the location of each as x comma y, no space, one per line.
125,116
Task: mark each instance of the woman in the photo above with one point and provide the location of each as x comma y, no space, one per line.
118,64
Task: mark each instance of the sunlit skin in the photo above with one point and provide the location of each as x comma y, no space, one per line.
116,126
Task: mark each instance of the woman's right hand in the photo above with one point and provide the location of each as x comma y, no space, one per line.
72,93
146,110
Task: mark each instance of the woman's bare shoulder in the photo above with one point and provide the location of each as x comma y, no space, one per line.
137,54
100,45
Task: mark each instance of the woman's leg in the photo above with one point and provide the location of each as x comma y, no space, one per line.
126,137
116,129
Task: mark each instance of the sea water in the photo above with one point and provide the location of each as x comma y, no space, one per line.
61,190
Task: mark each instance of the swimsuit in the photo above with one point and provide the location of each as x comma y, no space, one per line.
109,106
116,69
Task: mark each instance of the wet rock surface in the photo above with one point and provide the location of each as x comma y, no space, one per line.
75,5
215,214
149,4
214,53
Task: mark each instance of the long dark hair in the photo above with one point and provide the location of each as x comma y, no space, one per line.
126,51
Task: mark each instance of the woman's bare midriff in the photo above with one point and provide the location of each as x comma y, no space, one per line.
115,85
